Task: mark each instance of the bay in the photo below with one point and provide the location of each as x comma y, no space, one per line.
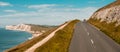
10,38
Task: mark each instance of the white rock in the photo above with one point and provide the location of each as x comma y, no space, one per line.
24,27
109,15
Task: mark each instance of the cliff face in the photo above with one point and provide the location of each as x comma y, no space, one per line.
107,19
20,27
35,30
109,13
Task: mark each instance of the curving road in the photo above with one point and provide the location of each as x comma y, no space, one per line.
87,38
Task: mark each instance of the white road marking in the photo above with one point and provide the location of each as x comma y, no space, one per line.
84,28
92,41
89,34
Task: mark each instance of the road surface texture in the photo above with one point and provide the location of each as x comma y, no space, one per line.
87,38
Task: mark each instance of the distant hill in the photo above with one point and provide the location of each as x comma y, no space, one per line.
39,27
107,19
35,30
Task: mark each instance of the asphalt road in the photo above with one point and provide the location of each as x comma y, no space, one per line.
87,38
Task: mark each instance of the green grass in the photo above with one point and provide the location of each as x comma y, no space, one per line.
109,29
61,41
40,27
24,46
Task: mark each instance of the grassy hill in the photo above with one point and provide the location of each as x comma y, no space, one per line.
40,27
59,43
109,29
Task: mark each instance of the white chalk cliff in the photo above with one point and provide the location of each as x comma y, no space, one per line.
110,13
25,27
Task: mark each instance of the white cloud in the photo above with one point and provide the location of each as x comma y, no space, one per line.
66,12
5,4
10,11
51,15
42,6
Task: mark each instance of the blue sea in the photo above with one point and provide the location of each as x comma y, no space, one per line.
9,38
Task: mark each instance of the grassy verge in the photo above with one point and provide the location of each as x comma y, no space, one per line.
109,29
24,46
61,41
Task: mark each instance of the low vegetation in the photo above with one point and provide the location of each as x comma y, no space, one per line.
109,29
61,41
40,27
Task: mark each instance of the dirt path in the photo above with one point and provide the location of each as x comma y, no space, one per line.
32,49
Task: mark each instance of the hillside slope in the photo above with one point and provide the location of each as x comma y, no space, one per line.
61,41
107,19
31,28
62,37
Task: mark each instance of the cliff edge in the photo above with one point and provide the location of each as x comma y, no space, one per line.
109,13
107,19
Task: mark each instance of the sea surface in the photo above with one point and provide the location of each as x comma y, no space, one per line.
10,38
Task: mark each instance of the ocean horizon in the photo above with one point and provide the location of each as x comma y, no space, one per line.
11,38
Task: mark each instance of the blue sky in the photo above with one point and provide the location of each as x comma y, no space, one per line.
47,12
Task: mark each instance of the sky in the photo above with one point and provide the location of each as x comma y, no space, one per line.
47,12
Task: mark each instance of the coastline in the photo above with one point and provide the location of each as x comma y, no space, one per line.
40,43
25,28
29,43
10,38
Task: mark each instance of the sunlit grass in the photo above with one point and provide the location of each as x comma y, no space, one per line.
61,41
109,29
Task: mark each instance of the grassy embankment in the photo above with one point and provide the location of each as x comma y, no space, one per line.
109,29
40,27
61,41
24,46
